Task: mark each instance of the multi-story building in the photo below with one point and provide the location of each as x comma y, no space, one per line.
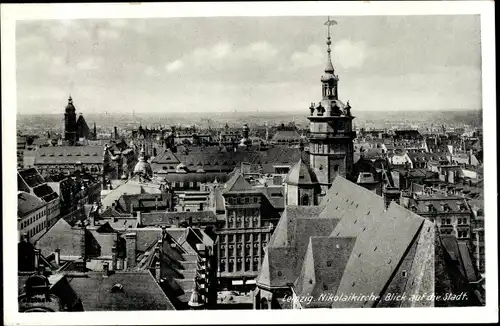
31,215
249,221
452,215
477,234
21,146
30,181
68,159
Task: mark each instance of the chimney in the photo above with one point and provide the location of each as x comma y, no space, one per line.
391,194
163,233
105,269
57,255
37,259
131,239
114,257
83,249
120,264
158,271
138,218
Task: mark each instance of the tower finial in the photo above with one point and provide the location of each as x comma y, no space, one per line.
329,66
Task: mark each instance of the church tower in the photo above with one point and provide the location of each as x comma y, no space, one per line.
70,122
331,138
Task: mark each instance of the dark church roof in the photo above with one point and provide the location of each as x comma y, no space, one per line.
350,244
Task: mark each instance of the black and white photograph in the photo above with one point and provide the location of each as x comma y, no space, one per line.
315,156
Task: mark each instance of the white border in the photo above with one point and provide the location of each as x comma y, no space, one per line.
12,12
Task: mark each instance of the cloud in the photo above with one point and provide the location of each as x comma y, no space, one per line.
310,58
174,66
151,71
349,54
345,54
224,55
90,63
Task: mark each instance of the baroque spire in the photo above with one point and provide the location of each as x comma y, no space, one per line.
329,65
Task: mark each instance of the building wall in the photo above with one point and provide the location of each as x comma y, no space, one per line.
53,212
34,224
243,239
477,242
292,195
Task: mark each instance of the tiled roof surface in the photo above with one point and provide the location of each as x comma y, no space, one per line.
323,267
130,188
45,192
439,204
140,292
460,254
27,203
237,184
170,218
31,177
301,174
350,244
286,135
69,155
61,236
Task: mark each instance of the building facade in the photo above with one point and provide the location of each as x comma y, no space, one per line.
246,231
31,215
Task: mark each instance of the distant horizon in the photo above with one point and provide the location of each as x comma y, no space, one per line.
265,112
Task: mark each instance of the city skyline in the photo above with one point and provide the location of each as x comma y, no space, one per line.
264,64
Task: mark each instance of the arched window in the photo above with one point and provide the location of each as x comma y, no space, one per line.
264,304
336,168
305,200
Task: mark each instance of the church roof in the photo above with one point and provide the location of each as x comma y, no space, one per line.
350,244
301,174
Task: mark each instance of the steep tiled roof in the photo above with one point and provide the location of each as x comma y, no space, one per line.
238,184
69,155
323,267
140,292
301,174
350,244
27,203
61,236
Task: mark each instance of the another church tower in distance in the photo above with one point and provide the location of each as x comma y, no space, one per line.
331,139
70,122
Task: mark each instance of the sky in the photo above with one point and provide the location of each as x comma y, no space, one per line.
263,64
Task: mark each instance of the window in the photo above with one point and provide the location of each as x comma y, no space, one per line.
305,200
